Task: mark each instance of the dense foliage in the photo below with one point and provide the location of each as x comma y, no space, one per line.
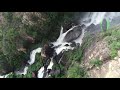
27,31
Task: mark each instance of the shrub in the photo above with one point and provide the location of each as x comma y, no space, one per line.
96,62
76,71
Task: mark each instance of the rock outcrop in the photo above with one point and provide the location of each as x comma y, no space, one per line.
98,60
110,69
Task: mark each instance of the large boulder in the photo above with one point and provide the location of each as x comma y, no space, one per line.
73,34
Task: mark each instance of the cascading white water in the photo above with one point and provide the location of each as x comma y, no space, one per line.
41,72
61,37
32,55
5,76
96,17
87,19
90,18
62,48
24,72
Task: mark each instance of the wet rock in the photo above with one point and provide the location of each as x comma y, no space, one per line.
73,34
98,50
73,44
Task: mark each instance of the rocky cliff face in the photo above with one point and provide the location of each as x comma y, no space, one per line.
98,59
109,69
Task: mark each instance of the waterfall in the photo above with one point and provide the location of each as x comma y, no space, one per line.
96,17
40,72
24,72
32,55
62,44
65,40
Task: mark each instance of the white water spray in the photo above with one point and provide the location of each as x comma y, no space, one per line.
88,19
41,72
24,72
91,18
96,17
5,76
61,37
33,54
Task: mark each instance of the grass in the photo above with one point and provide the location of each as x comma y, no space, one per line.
113,39
75,71
96,62
75,55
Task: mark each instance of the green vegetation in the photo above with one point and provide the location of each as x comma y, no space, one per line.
96,62
75,71
35,67
45,27
75,55
112,36
14,31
